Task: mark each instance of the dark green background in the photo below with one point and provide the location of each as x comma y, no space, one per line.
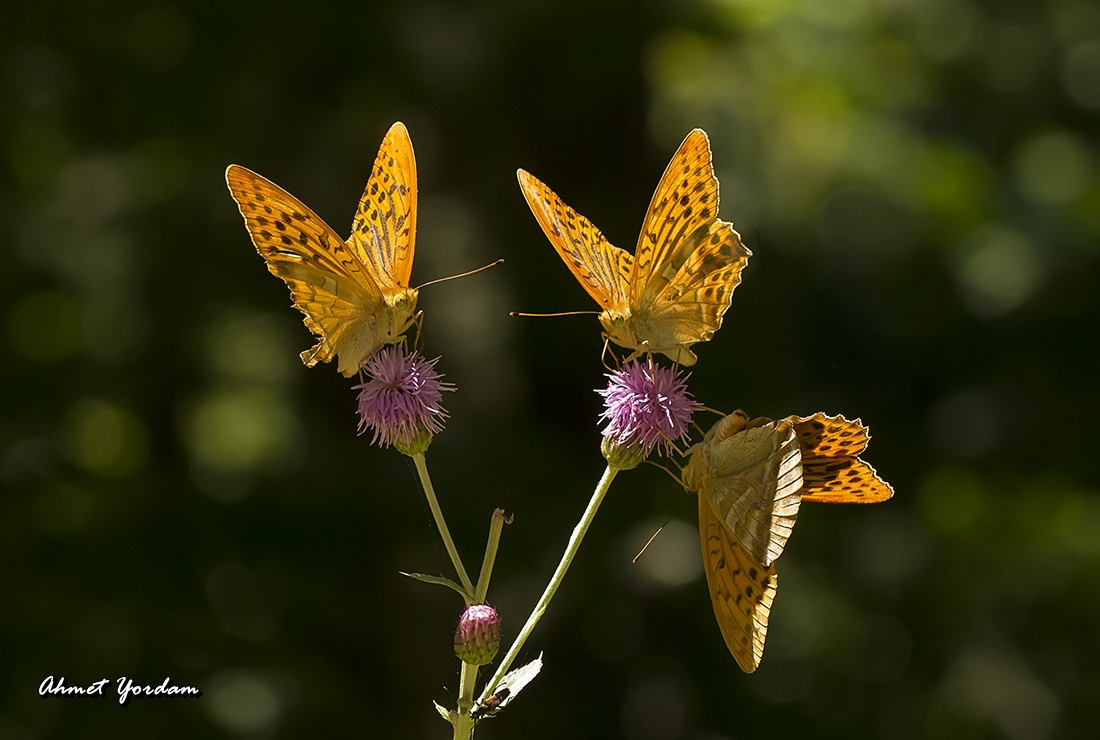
918,182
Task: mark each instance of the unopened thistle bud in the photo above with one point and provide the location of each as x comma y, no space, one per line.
477,638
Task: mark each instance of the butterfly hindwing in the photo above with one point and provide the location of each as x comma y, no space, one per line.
741,589
691,306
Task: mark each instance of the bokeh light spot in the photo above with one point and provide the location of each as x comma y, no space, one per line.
1081,74
999,272
1053,168
240,431
952,500
996,685
104,438
250,346
245,702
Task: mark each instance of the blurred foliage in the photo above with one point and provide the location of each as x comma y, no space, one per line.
918,181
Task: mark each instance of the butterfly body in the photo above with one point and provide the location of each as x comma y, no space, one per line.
354,293
674,290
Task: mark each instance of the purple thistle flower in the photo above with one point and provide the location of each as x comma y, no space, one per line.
401,399
646,407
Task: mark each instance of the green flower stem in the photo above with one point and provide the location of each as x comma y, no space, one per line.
464,721
441,524
495,527
552,587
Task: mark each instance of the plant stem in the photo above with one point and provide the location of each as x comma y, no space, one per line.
495,526
555,580
441,524
464,722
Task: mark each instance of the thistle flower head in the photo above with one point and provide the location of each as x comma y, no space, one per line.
477,638
646,407
401,400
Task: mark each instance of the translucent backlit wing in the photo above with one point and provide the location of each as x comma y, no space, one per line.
601,268
688,262
383,233
831,469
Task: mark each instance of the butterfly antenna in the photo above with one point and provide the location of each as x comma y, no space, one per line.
551,315
461,274
649,542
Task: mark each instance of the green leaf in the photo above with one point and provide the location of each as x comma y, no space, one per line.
444,713
439,581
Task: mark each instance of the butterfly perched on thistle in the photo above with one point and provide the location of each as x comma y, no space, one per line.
673,291
355,294
752,477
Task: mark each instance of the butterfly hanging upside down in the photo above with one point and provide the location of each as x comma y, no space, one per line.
751,478
355,294
674,290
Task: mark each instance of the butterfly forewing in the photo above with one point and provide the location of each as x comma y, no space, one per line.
601,268
288,234
741,589
383,233
686,200
682,241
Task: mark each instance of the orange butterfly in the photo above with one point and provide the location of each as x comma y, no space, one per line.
751,477
674,290
355,294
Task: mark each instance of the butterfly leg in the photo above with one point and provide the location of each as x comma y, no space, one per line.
418,322
608,351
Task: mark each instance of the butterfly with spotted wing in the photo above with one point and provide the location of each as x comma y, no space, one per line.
751,478
355,294
673,291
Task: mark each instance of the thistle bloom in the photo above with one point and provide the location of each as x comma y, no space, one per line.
401,399
646,407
